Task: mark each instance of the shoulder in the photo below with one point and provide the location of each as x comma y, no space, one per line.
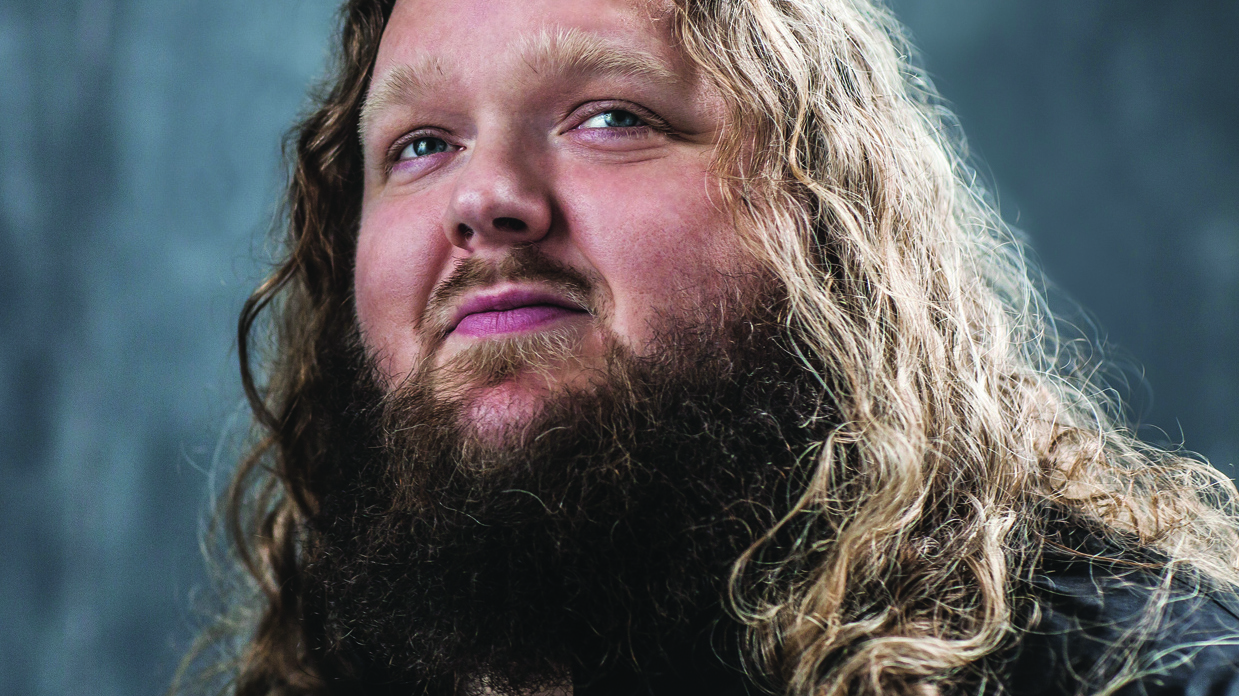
1099,619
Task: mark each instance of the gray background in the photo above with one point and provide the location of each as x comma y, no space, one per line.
139,168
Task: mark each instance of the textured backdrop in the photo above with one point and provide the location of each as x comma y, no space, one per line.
139,168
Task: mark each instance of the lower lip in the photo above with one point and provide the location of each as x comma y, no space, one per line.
512,320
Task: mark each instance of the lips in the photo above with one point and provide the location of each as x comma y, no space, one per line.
512,311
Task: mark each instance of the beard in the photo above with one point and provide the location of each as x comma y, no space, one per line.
591,546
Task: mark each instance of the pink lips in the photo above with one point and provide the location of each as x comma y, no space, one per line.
510,312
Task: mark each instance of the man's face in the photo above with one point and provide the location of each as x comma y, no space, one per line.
537,183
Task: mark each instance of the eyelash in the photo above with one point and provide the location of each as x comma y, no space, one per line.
393,153
649,120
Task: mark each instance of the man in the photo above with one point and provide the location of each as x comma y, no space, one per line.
631,347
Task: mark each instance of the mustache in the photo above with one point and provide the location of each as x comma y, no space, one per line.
524,263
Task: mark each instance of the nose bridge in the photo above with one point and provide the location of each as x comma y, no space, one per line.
501,195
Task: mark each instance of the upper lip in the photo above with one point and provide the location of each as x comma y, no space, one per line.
512,298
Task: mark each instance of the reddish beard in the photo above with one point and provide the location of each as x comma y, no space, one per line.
594,545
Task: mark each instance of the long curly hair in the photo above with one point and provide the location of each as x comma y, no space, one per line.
962,411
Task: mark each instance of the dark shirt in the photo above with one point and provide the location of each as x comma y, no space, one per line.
1095,623
1087,621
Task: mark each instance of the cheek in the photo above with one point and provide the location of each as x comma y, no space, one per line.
660,240
399,257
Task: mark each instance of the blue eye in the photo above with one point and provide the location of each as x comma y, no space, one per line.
615,118
422,147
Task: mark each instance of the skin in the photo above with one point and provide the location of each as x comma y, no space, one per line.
502,139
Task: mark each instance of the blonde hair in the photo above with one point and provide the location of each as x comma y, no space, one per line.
962,416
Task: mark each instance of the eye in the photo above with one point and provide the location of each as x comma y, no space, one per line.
614,118
422,147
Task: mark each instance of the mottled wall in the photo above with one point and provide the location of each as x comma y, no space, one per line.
139,167
139,150
1112,131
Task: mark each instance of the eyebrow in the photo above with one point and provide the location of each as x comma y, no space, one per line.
554,53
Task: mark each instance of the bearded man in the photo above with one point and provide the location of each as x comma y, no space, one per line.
649,347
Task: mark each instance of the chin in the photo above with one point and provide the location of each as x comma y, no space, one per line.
497,413
502,386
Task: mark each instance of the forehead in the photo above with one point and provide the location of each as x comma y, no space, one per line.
458,40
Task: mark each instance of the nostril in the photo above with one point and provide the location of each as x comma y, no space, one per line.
464,231
508,224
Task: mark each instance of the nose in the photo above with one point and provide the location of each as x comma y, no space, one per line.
499,199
